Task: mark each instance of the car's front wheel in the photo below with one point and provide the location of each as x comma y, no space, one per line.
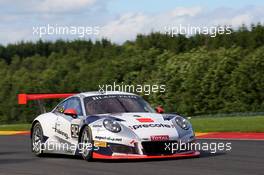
37,140
86,143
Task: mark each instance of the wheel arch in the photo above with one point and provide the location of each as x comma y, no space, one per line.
81,130
32,126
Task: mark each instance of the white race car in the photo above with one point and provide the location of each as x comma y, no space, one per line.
115,125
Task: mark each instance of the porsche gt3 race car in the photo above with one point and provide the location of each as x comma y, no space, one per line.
115,125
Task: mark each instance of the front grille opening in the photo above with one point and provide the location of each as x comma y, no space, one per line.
116,148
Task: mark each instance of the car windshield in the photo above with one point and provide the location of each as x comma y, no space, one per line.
103,104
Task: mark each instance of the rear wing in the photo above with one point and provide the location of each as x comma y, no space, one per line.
24,98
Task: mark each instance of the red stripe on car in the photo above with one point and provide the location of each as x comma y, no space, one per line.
179,155
144,120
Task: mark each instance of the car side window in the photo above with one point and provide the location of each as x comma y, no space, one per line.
74,103
61,107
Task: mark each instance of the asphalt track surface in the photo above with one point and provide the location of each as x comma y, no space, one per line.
246,157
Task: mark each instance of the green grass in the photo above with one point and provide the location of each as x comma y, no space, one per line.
221,124
200,124
15,127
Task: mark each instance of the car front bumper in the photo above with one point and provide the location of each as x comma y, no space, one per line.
135,156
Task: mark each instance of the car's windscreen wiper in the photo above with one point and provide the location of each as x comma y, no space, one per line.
122,105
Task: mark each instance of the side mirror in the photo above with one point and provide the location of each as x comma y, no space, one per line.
71,112
159,109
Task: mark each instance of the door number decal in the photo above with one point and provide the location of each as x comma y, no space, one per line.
74,131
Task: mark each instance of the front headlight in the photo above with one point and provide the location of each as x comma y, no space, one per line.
182,122
111,125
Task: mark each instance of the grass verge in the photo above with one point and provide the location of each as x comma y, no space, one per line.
228,124
15,127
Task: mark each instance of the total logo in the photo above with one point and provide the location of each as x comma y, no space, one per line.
159,138
151,125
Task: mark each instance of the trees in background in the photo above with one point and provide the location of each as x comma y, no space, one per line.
203,75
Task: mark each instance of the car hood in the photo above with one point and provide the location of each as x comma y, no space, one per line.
149,126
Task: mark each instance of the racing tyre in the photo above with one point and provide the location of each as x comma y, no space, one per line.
37,140
86,143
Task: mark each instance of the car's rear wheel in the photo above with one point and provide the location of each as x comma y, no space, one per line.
37,140
86,143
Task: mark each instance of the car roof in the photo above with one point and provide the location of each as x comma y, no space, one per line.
93,93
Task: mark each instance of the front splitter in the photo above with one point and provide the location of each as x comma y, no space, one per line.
129,156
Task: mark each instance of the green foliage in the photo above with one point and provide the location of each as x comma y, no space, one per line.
203,75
